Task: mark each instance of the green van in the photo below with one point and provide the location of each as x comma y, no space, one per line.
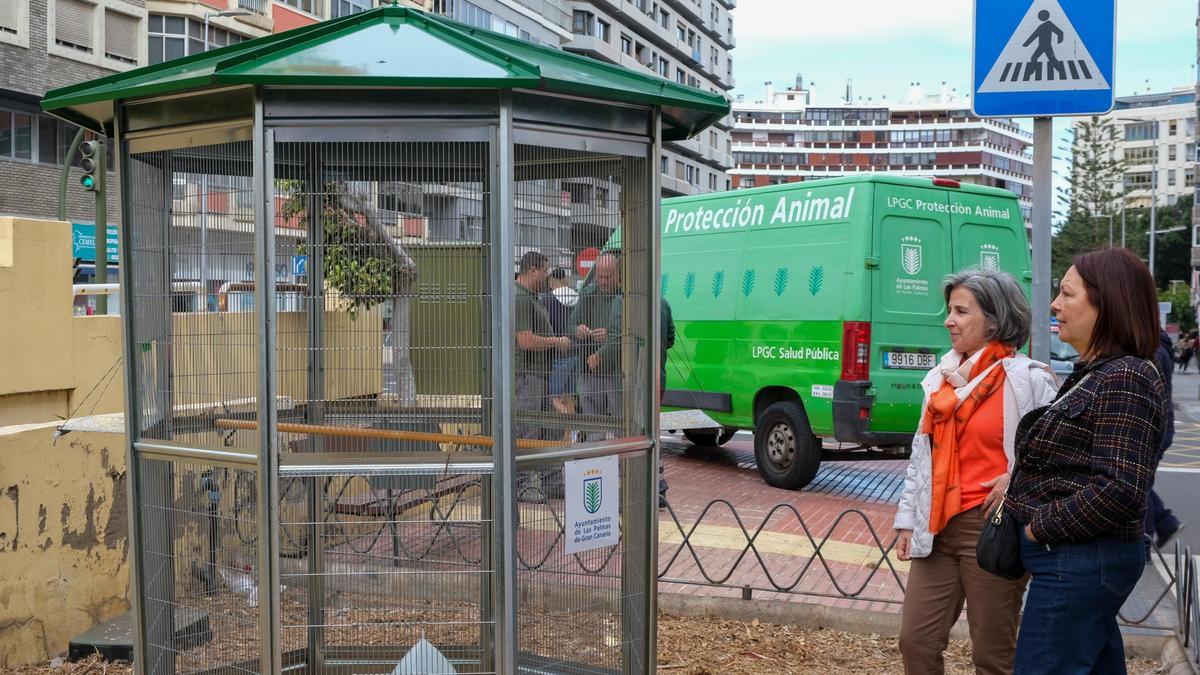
813,310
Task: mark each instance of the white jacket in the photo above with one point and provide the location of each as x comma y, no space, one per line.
1028,384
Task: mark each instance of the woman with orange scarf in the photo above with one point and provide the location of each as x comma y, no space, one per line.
962,458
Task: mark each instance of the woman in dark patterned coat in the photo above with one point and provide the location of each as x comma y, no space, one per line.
1084,465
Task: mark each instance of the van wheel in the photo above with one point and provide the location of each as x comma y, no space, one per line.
709,438
787,453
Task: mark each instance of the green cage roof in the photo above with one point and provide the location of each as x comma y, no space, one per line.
393,47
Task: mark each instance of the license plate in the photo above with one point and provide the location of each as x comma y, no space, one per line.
909,360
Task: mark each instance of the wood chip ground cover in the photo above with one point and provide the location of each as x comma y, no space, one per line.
711,646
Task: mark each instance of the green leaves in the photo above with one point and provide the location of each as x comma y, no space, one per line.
718,283
591,495
748,278
781,281
815,278
689,284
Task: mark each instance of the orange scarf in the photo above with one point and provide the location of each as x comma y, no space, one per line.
944,416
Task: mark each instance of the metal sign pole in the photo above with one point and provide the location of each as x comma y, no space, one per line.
1043,130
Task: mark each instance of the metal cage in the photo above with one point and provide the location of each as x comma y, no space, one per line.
338,446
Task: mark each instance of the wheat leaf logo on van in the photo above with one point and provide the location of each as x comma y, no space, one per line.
781,279
689,284
910,255
989,257
718,283
815,278
748,279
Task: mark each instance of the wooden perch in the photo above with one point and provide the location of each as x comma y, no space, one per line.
381,434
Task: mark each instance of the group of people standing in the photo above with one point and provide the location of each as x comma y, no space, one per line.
568,350
1072,462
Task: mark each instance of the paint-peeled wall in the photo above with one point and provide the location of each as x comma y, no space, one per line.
63,546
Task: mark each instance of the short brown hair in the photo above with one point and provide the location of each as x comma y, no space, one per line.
1126,299
532,260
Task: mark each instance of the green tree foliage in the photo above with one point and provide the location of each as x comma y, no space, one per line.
1091,194
1173,254
358,263
1182,311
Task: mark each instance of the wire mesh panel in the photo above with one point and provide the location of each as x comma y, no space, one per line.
578,612
191,223
200,587
388,572
383,340
582,363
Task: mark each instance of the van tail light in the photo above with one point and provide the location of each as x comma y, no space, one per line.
856,350
946,182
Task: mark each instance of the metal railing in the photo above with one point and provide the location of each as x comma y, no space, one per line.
745,566
1187,601
257,6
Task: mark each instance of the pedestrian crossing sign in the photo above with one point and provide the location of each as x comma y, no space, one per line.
1035,58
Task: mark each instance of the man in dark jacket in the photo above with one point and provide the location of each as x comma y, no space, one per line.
1161,524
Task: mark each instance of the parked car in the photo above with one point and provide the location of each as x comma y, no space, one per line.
1062,355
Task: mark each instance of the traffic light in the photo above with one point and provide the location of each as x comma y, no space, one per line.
88,161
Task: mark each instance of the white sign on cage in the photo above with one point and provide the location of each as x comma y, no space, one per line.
593,496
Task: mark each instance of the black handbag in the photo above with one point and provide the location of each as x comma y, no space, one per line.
999,547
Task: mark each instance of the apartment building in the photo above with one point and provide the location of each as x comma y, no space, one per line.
686,41
1157,142
45,44
786,138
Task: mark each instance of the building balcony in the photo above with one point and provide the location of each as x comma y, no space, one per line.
672,186
257,6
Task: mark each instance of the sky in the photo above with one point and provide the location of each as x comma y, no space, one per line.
884,45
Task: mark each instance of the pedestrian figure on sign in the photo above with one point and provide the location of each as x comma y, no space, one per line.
1044,34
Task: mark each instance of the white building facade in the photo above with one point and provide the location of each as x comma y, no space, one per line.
785,138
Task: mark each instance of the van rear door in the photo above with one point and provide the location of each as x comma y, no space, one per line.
989,233
912,248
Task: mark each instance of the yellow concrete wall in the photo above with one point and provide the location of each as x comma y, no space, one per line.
63,547
99,375
35,306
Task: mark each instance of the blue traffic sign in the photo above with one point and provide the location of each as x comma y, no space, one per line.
299,265
1037,58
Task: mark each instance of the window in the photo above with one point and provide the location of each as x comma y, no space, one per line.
14,23
746,182
121,36
664,67
1190,154
626,45
171,37
1141,131
664,165
348,7
681,32
1172,127
712,182
665,19
310,6
1170,179
1144,155
73,24
603,30
1171,153
1189,178
1137,181
581,22
680,76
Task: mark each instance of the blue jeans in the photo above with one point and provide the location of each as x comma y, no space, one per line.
1070,620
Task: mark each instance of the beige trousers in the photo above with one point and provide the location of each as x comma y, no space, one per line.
937,587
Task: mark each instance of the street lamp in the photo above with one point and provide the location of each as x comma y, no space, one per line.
228,12
204,178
